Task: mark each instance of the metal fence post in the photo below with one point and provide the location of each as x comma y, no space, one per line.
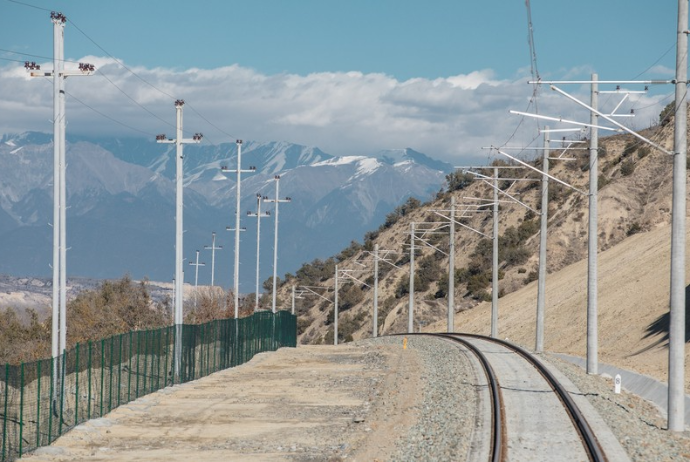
52,397
138,358
38,404
110,374
167,353
21,407
4,419
62,388
146,359
76,387
119,370
160,353
129,370
102,373
88,367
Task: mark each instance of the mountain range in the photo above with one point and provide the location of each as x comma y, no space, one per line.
121,204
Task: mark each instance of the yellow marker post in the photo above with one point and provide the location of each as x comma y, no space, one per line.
405,343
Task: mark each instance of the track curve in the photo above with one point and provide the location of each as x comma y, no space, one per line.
530,388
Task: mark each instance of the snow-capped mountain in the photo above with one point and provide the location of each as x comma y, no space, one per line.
121,204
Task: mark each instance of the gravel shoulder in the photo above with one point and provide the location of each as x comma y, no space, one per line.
367,400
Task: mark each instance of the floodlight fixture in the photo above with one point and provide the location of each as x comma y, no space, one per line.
86,68
58,17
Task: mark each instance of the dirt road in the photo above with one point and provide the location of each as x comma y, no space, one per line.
308,403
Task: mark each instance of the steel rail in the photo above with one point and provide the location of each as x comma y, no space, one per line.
497,452
594,450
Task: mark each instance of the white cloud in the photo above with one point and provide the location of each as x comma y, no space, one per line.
342,113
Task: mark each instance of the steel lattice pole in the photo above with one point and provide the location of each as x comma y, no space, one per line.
494,274
543,222
410,310
375,317
676,354
592,243
236,274
451,268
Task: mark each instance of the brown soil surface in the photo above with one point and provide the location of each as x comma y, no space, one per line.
309,403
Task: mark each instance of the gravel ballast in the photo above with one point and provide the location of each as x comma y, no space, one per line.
449,405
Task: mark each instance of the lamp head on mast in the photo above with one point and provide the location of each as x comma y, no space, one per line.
86,68
57,17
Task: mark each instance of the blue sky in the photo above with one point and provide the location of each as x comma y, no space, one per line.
351,77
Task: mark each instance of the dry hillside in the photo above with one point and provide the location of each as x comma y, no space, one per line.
634,215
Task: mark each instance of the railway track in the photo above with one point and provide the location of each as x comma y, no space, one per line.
533,416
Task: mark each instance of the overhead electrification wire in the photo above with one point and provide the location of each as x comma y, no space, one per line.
533,58
100,72
91,107
29,5
102,114
535,77
108,117
35,56
12,60
128,69
121,63
673,46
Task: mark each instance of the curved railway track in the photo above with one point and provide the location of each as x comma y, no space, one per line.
501,431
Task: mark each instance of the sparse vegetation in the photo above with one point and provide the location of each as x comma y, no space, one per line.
532,276
212,303
458,181
666,113
602,180
115,307
627,167
634,228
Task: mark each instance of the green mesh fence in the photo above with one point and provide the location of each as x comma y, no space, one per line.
41,400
